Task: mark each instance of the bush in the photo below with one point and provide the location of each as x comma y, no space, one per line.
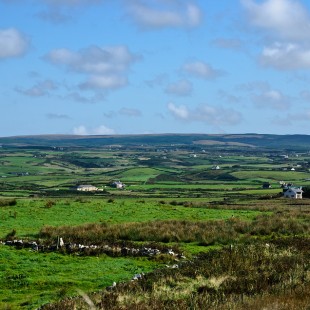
7,202
306,191
11,235
49,204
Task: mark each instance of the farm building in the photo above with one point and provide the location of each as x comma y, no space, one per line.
293,192
266,185
118,184
86,188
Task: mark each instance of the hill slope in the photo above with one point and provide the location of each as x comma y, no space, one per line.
288,142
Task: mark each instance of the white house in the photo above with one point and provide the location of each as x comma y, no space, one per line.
86,188
293,192
118,184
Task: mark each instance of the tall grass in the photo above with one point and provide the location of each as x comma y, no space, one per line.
6,202
253,276
203,232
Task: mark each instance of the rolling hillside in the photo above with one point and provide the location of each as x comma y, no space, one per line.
284,142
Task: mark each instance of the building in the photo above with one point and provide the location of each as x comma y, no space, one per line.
86,188
266,185
118,184
293,192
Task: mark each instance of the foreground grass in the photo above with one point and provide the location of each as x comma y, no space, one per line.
29,279
252,276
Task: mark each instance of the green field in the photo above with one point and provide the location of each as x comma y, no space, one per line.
28,217
30,279
173,198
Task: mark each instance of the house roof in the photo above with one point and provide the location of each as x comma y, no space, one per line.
83,186
296,190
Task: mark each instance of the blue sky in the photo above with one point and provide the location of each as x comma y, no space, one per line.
154,66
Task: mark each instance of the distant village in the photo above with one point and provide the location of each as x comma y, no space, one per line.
288,189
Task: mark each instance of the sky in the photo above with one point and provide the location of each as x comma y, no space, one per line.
102,67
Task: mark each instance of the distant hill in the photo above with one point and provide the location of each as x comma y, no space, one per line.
287,142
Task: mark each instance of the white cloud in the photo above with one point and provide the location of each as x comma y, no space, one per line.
286,56
157,80
160,14
100,130
254,86
264,96
215,116
12,43
273,99
180,88
201,70
109,114
103,130
60,11
228,97
81,131
287,24
293,118
104,82
97,97
57,116
179,112
286,19
54,16
130,112
106,67
78,97
94,59
40,89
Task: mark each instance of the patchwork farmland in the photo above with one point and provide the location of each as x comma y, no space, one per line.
194,225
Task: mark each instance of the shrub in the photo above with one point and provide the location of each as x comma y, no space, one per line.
11,235
7,202
49,204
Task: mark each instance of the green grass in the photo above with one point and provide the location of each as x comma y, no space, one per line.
29,216
139,174
29,279
288,176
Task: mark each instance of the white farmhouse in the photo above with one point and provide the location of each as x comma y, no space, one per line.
118,184
293,192
86,188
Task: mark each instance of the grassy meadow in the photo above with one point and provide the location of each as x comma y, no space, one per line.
230,233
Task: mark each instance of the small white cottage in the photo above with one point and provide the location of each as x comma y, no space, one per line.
118,184
293,192
86,188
